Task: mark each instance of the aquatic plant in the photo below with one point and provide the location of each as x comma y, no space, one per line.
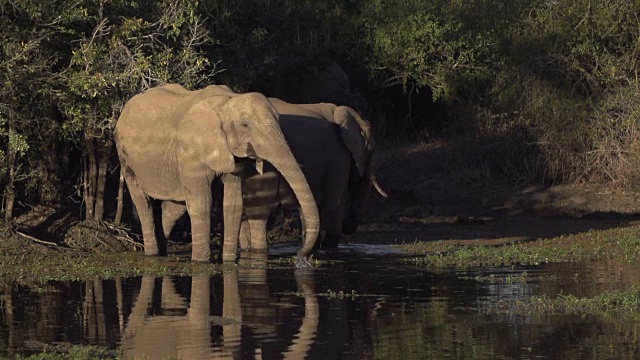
625,303
621,243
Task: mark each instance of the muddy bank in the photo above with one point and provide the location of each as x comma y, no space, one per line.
432,198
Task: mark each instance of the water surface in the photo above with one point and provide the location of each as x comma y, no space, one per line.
369,302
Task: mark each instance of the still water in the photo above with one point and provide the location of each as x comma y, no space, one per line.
370,303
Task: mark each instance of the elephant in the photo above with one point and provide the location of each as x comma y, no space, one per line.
173,142
334,146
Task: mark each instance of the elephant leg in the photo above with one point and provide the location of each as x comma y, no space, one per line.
261,194
258,230
145,213
199,208
334,202
232,215
257,216
253,234
245,236
333,234
171,212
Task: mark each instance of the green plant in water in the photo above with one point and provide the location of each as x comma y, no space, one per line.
72,352
620,243
624,303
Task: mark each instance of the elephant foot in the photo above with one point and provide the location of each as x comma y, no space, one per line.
153,252
201,257
331,241
251,255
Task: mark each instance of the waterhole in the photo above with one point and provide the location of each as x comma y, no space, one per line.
367,302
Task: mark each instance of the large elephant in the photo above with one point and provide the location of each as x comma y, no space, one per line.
334,146
173,142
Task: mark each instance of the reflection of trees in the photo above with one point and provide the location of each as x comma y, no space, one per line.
6,304
100,312
94,314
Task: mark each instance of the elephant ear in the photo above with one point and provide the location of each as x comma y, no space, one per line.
356,134
202,138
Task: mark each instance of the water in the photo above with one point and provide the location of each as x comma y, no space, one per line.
370,303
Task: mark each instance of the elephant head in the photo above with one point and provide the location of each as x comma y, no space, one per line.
357,137
172,143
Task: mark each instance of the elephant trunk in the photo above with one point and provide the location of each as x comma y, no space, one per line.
360,189
284,161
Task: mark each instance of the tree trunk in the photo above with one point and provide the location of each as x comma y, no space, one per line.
119,206
9,193
65,173
50,190
90,178
85,180
101,179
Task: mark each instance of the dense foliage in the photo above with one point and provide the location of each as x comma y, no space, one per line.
548,88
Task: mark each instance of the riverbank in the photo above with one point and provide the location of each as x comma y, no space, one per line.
436,204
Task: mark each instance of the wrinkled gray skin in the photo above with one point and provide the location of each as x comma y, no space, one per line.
173,142
333,144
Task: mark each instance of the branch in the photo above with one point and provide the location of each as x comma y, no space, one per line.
36,240
585,16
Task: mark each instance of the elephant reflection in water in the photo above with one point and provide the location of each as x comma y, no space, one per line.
180,332
183,330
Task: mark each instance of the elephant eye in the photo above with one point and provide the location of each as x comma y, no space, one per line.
245,124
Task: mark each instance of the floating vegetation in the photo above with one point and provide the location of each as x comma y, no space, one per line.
42,266
71,352
622,243
625,303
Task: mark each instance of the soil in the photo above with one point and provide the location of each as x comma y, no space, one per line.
433,196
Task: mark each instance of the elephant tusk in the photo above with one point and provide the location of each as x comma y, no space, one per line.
259,166
378,187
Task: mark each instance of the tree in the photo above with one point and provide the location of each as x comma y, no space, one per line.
425,43
123,48
28,29
266,44
573,76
